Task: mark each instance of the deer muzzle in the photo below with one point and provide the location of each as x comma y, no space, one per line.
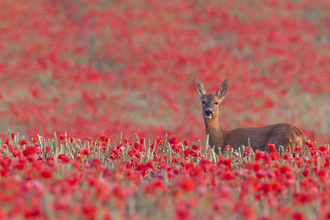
208,113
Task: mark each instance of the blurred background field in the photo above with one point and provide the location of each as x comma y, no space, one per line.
95,67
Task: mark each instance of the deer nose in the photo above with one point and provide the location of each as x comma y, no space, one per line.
208,112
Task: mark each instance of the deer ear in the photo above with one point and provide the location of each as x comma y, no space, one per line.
222,89
199,88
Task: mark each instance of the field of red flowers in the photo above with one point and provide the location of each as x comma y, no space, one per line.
104,67
108,76
67,178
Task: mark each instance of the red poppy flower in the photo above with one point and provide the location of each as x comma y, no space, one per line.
29,150
85,151
141,166
89,209
7,141
195,147
158,184
150,164
61,137
138,155
227,161
22,142
159,140
46,174
13,135
258,155
48,149
272,148
64,158
187,184
15,153
323,148
72,139
5,161
182,212
174,140
138,146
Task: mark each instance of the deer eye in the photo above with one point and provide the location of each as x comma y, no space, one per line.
217,103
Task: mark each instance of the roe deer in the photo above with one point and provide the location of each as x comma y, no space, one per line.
278,134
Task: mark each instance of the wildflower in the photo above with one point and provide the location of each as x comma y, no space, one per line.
187,184
195,147
182,212
174,140
272,148
150,164
30,150
138,146
85,151
22,142
61,137
138,155
323,148
46,174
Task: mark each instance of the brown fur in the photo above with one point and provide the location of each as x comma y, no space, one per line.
260,137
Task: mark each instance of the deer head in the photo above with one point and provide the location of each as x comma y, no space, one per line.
210,102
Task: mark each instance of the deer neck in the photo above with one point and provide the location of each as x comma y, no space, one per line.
212,123
215,132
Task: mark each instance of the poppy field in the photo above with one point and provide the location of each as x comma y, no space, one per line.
99,118
67,178
96,67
